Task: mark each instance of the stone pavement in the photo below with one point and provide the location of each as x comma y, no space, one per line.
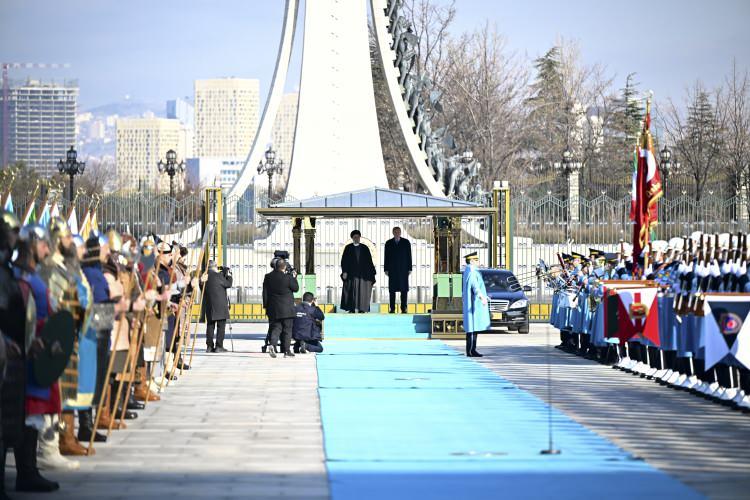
701,443
238,425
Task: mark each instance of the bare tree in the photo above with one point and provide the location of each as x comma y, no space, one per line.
97,178
431,22
735,104
485,88
697,133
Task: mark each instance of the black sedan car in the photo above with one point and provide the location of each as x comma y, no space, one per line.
509,306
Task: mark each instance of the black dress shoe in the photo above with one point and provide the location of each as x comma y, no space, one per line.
272,351
129,415
264,348
475,354
181,365
288,354
303,348
36,483
135,405
220,349
210,349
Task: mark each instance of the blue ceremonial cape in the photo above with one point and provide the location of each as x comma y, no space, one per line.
476,314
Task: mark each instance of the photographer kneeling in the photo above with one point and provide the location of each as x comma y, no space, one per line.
278,299
307,325
215,283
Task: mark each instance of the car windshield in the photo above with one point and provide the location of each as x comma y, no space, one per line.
500,282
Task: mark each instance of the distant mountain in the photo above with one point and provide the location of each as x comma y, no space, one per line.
129,107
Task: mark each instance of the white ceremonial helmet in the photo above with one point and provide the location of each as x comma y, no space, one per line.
724,239
677,243
627,250
697,236
659,246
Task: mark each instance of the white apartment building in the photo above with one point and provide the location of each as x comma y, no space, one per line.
141,143
227,112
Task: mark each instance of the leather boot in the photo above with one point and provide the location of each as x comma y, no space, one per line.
86,427
105,416
28,477
468,344
474,353
142,393
69,445
48,450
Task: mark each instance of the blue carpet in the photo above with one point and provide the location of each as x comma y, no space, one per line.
377,326
418,420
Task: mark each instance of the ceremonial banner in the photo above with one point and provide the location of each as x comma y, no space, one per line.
73,221
54,211
646,190
726,328
86,225
45,217
30,215
8,203
630,309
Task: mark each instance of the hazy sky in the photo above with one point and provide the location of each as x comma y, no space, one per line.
152,50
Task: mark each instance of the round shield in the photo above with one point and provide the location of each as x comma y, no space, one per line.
58,335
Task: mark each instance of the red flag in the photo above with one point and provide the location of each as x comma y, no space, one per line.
646,190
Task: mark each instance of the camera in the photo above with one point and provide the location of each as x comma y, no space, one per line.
283,255
226,271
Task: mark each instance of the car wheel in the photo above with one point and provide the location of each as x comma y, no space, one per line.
524,328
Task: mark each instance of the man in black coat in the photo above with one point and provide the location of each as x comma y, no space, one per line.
307,323
215,287
358,275
278,300
397,267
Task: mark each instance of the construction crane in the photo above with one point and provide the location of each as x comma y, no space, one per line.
6,93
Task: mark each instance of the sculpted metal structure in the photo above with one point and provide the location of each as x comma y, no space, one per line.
337,144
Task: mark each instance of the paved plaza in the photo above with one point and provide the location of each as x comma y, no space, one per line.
414,418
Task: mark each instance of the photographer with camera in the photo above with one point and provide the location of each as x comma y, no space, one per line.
215,283
307,325
278,299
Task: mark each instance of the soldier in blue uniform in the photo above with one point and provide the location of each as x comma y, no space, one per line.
475,304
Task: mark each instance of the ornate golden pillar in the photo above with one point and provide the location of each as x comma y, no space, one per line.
296,242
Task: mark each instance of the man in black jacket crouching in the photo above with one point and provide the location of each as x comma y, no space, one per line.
307,323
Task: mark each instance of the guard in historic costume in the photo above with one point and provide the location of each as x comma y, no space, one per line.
59,271
18,328
397,266
476,309
43,404
358,275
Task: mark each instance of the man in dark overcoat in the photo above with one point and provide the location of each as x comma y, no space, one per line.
358,275
398,268
216,306
278,300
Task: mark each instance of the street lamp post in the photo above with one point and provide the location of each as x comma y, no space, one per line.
665,155
270,167
71,167
171,168
569,166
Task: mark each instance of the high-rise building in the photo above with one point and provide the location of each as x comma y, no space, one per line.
183,110
283,127
41,124
211,171
141,143
226,116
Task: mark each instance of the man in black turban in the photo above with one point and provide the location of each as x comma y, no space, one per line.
358,275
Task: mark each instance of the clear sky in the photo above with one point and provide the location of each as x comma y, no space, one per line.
152,50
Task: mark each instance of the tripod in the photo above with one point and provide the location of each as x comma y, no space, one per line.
229,316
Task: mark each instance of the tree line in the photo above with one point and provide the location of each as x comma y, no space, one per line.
517,115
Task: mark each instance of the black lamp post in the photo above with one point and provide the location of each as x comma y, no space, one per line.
171,167
71,167
271,167
665,155
568,165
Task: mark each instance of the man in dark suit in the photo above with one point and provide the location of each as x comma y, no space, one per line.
397,267
358,275
278,299
215,284
307,323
